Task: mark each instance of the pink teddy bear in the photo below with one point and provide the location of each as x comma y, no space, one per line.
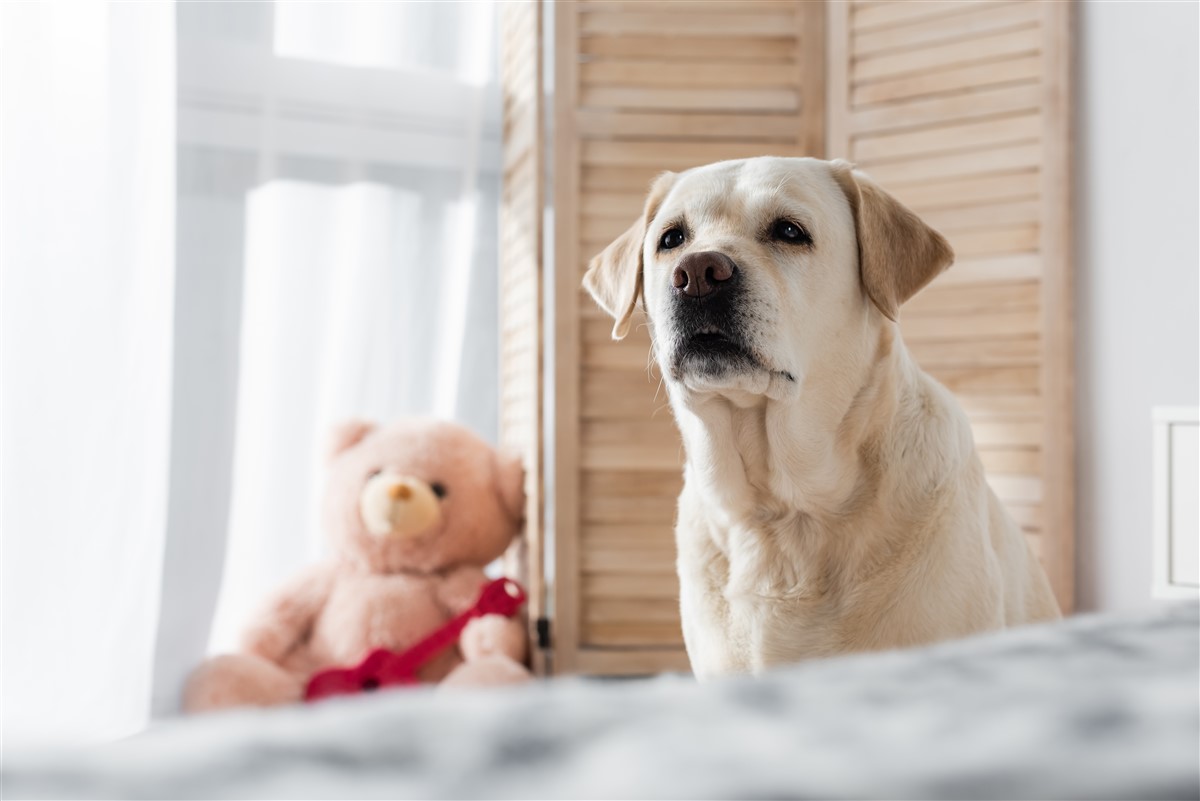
415,510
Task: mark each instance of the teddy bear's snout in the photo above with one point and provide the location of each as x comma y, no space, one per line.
394,505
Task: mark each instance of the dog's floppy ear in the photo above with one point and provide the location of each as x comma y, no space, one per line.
615,276
898,254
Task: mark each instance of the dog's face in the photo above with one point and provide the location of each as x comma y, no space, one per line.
750,270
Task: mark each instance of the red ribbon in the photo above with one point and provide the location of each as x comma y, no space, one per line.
384,668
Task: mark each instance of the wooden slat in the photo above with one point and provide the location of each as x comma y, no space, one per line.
949,221
956,165
894,146
1011,460
1016,488
996,241
658,156
732,48
622,610
972,298
956,193
687,74
981,325
633,634
632,661
945,109
867,17
1002,379
628,562
689,6
922,33
567,346
777,100
1018,70
699,23
940,57
520,281
996,406
990,269
656,125
935,354
1019,434
628,510
661,485
622,585
622,394
1058,368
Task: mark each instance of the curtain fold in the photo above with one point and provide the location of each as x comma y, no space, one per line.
87,115
336,257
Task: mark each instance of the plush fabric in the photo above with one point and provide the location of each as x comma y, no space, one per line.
414,511
1093,707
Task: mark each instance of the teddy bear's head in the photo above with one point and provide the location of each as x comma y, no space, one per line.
420,495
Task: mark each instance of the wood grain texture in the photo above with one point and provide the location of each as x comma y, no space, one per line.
961,110
521,308
1058,325
567,348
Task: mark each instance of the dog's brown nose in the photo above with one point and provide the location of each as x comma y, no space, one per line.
700,274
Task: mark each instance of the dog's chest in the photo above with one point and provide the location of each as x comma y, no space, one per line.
782,597
754,596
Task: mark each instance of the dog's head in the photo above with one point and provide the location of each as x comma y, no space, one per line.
751,270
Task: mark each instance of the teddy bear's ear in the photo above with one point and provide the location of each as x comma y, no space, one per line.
346,435
510,484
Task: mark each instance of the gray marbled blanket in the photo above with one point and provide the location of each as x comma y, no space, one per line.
1091,708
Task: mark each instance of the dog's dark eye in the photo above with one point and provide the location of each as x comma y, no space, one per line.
788,231
439,489
373,473
671,239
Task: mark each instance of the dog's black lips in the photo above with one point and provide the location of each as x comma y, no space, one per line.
708,339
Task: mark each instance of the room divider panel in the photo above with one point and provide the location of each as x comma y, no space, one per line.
961,109
957,107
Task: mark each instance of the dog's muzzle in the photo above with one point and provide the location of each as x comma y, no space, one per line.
707,316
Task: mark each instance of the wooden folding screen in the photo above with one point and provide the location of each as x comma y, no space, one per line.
642,87
957,107
961,110
521,310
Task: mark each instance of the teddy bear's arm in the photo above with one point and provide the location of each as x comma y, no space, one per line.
286,620
487,635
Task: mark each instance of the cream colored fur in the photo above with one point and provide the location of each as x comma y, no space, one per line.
833,499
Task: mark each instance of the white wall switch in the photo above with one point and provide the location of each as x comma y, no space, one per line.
1176,502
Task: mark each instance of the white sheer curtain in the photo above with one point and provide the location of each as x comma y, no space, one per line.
332,308
87,170
225,227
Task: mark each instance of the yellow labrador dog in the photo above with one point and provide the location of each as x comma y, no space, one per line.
833,500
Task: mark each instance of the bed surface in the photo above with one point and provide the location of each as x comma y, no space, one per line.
1091,708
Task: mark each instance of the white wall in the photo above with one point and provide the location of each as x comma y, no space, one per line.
1137,333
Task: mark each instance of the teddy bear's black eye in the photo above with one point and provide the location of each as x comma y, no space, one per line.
439,489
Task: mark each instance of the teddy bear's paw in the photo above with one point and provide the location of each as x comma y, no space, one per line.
233,680
493,635
487,671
